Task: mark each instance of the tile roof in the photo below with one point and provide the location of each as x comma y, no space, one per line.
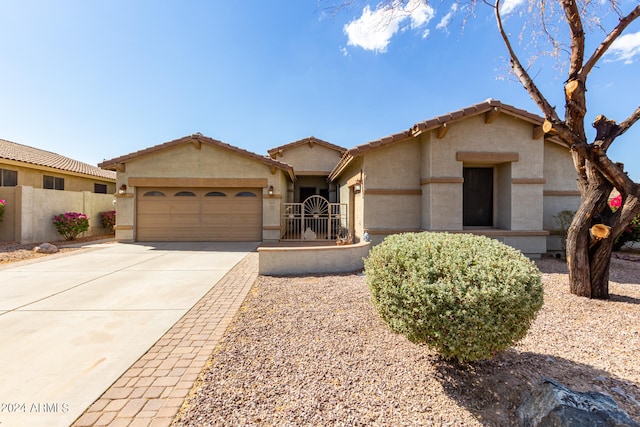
111,164
434,123
35,156
273,151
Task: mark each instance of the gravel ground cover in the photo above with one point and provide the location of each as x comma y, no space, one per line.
312,351
11,252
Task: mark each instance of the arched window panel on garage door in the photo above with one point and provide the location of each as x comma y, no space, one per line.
246,194
185,194
215,194
154,194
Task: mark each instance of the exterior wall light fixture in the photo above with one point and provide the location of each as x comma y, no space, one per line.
271,190
122,189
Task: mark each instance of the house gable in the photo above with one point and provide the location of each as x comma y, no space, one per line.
438,128
309,156
176,158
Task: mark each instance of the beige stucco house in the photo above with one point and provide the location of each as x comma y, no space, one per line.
200,189
38,184
485,169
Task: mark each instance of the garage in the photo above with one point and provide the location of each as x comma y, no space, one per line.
197,188
198,214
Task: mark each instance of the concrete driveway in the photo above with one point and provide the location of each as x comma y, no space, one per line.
71,325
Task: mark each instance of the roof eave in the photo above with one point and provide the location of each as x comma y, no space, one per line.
112,164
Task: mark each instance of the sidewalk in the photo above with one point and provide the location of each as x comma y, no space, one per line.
153,390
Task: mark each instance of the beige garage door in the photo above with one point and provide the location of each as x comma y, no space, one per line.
199,214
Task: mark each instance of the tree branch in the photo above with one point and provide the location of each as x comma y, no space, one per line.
629,121
606,43
612,172
608,130
577,36
523,75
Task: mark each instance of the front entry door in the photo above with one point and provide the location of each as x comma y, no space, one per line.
477,197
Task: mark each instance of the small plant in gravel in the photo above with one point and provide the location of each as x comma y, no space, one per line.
108,219
71,224
466,296
3,203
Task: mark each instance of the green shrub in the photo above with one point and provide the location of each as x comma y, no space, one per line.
466,296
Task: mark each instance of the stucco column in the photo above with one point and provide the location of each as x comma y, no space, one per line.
125,216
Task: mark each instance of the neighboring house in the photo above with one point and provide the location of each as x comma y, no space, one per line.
486,169
38,184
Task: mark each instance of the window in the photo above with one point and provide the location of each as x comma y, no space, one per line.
477,197
215,194
100,188
8,178
246,194
185,193
154,194
52,182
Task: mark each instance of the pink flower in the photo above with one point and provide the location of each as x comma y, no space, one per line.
616,202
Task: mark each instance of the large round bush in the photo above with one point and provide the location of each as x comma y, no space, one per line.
466,296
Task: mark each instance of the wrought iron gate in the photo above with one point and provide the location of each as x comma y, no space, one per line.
314,219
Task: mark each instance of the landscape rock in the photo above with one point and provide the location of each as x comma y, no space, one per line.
46,248
552,404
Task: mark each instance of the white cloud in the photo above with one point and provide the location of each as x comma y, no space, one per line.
509,6
419,12
626,47
374,29
446,19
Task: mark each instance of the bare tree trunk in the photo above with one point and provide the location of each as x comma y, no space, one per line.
588,257
588,269
600,259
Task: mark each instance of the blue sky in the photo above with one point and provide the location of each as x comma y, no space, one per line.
94,80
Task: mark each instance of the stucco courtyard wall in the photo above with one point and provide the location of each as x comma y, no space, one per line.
281,261
30,212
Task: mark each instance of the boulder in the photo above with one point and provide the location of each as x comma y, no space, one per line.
46,248
552,404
